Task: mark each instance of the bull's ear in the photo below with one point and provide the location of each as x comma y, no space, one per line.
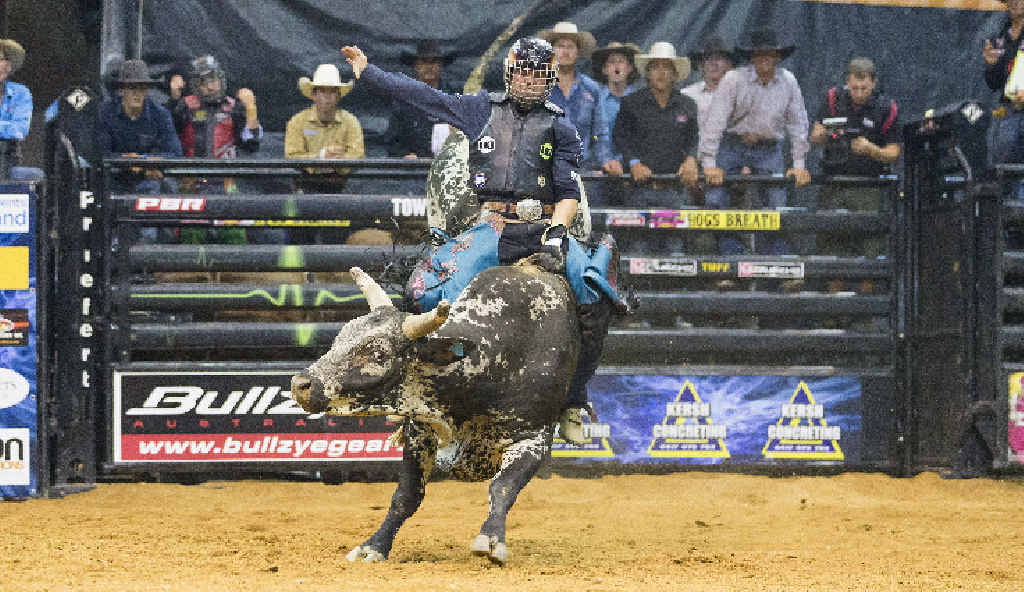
443,350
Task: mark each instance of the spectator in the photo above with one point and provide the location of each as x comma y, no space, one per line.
714,60
413,135
132,125
211,124
577,94
323,131
615,70
1005,75
656,130
754,108
856,110
15,105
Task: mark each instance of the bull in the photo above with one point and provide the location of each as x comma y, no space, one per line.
483,379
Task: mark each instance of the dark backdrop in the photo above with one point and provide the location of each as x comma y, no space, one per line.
926,56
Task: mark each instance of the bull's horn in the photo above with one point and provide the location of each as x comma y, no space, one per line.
374,294
416,326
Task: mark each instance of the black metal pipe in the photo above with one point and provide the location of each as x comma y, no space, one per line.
265,257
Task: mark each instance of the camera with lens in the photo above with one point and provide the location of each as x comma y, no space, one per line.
840,132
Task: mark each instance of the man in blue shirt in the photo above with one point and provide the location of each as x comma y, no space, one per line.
615,70
15,108
578,95
132,125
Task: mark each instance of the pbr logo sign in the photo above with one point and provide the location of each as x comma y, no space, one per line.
234,417
170,204
15,457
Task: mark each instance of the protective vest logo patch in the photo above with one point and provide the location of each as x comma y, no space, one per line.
485,145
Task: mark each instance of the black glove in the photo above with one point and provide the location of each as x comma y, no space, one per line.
555,241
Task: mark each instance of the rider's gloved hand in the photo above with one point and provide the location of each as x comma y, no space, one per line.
554,235
555,241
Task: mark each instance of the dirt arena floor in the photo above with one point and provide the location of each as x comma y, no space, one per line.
684,531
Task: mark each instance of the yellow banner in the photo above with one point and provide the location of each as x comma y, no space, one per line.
718,219
13,268
955,4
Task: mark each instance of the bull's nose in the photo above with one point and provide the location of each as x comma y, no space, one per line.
308,393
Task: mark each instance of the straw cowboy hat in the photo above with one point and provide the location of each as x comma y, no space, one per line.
12,51
600,56
663,50
584,40
765,40
427,49
713,46
134,72
325,75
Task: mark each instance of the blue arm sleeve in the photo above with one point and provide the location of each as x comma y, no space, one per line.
568,156
468,113
602,145
52,110
170,146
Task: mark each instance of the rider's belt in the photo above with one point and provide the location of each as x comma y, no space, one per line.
527,210
763,143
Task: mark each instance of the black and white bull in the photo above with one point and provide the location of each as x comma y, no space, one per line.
484,379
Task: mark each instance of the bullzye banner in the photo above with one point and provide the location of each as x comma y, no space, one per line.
234,417
721,419
18,396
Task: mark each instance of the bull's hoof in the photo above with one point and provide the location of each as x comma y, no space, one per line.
364,553
490,547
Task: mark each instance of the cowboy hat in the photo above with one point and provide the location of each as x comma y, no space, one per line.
600,56
12,51
663,50
325,75
584,40
765,40
712,46
134,72
427,49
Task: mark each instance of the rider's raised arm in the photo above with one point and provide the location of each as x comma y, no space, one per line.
466,112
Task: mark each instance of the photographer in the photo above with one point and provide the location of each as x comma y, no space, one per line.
859,134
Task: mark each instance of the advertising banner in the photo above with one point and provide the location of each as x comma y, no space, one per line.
1015,429
240,416
721,419
17,342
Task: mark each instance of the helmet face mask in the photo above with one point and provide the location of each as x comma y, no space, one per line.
204,70
530,71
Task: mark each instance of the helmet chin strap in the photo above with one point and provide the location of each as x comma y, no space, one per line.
523,105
